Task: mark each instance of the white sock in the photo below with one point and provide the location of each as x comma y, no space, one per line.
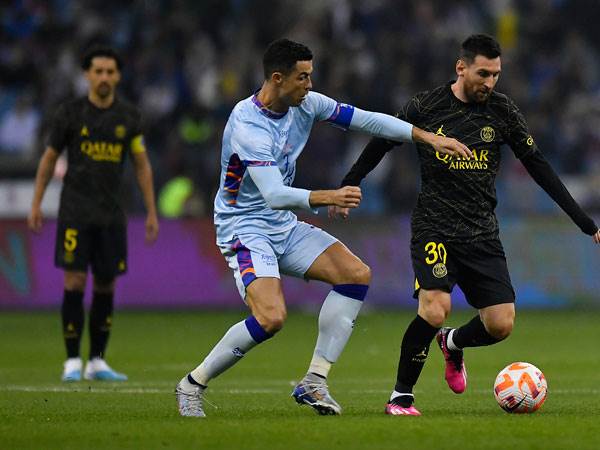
228,351
398,394
336,321
186,385
450,343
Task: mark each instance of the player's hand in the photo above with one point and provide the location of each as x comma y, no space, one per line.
347,197
596,237
450,146
337,212
35,219
151,228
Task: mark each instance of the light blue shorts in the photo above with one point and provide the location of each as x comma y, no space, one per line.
292,252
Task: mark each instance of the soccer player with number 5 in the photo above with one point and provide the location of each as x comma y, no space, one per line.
455,237
100,132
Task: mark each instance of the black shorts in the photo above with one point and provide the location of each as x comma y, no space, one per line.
103,247
478,268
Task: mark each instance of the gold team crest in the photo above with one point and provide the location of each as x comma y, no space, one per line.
440,270
120,131
84,132
487,134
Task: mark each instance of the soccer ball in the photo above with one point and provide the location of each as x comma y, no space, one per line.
520,388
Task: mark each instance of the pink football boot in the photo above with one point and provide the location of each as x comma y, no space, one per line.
456,372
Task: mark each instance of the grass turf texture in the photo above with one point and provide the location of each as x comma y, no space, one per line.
253,409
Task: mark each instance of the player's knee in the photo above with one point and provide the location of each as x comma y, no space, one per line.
75,281
104,284
434,307
500,328
361,274
435,313
272,321
436,317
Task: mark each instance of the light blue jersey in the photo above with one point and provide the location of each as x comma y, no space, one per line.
255,136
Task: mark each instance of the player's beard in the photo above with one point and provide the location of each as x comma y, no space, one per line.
478,95
104,90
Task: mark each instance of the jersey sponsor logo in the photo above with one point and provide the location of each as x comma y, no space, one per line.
480,157
478,162
120,131
102,150
84,132
268,260
487,134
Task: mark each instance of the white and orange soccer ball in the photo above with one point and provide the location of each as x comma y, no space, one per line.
520,388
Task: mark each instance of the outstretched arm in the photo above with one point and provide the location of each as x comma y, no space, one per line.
389,127
370,158
543,174
270,183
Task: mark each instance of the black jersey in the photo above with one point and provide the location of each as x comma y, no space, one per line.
97,141
458,197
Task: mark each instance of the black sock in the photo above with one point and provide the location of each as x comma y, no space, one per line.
100,323
415,347
473,334
72,321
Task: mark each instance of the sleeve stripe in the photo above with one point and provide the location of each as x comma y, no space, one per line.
259,163
137,144
342,115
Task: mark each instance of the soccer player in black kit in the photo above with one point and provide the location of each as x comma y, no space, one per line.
455,236
99,132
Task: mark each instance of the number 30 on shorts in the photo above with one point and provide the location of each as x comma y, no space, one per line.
70,239
436,252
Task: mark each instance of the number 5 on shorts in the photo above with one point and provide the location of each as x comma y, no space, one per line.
70,239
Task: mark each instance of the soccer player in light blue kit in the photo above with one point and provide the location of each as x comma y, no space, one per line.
260,237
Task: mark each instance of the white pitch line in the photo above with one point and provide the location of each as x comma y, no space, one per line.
96,390
148,390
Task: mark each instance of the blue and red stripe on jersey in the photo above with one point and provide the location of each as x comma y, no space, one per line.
235,173
342,115
244,259
233,178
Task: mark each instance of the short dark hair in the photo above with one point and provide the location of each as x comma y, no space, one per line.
479,44
281,56
96,51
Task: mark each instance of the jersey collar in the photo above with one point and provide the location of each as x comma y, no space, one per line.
264,110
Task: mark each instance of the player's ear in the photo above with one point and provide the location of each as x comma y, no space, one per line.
460,67
277,77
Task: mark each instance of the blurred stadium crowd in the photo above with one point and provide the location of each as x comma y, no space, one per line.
188,62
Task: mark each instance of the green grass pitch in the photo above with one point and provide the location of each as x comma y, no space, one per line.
251,404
